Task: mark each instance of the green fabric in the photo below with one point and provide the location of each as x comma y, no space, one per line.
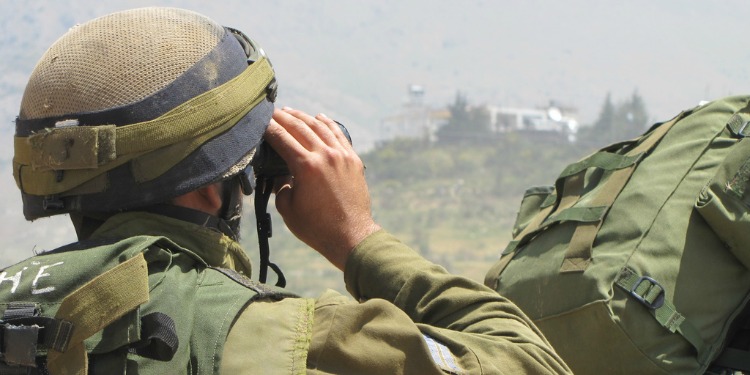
481,332
651,294
83,308
602,160
679,216
400,299
725,201
486,332
533,199
280,330
578,256
202,301
211,246
577,214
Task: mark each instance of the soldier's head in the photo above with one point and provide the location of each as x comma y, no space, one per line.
137,108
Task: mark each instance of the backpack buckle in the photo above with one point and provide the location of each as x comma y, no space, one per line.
652,295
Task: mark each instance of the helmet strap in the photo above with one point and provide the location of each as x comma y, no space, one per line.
231,205
86,224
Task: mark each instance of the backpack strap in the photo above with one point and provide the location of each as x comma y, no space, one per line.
651,294
85,311
578,255
569,187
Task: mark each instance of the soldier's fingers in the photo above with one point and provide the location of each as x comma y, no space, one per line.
335,129
284,143
321,129
298,128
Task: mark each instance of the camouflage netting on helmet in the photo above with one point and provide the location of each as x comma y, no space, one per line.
116,60
136,108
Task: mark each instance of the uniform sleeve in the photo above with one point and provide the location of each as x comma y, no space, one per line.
416,318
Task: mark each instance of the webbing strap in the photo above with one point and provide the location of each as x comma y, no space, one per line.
602,160
571,190
651,294
577,214
569,187
578,255
570,182
491,279
739,123
85,152
94,306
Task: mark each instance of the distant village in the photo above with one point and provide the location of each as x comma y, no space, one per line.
417,119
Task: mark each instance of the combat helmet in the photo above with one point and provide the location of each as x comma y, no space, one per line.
137,107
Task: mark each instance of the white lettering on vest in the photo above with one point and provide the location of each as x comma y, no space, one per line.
15,279
41,274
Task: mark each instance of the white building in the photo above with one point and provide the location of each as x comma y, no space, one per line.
552,119
415,120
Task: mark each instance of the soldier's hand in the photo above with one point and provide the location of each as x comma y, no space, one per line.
326,204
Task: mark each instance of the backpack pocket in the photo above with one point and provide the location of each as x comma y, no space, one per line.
725,203
534,199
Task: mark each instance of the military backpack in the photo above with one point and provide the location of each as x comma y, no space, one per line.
637,260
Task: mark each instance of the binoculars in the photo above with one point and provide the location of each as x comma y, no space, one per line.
268,163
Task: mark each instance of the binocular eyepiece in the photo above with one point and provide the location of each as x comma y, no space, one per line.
268,163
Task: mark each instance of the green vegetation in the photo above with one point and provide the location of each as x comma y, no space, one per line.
454,201
466,125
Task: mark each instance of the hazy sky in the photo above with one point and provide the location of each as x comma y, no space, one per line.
356,58
353,60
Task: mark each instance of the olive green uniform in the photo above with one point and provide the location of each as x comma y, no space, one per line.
413,317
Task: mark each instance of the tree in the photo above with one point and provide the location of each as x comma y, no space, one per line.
634,114
606,121
466,124
617,122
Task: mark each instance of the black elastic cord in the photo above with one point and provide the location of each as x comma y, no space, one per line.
159,339
263,188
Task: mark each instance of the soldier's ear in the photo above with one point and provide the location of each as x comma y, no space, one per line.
206,199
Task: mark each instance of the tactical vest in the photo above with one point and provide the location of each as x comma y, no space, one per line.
142,305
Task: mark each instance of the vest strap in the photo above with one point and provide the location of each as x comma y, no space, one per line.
94,306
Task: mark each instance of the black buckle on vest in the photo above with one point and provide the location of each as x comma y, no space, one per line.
19,344
52,333
656,302
23,329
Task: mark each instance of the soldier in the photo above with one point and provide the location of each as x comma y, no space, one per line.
142,125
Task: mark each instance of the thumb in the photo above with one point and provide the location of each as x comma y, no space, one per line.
284,199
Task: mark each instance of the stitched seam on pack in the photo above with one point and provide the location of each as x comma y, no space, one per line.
221,329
